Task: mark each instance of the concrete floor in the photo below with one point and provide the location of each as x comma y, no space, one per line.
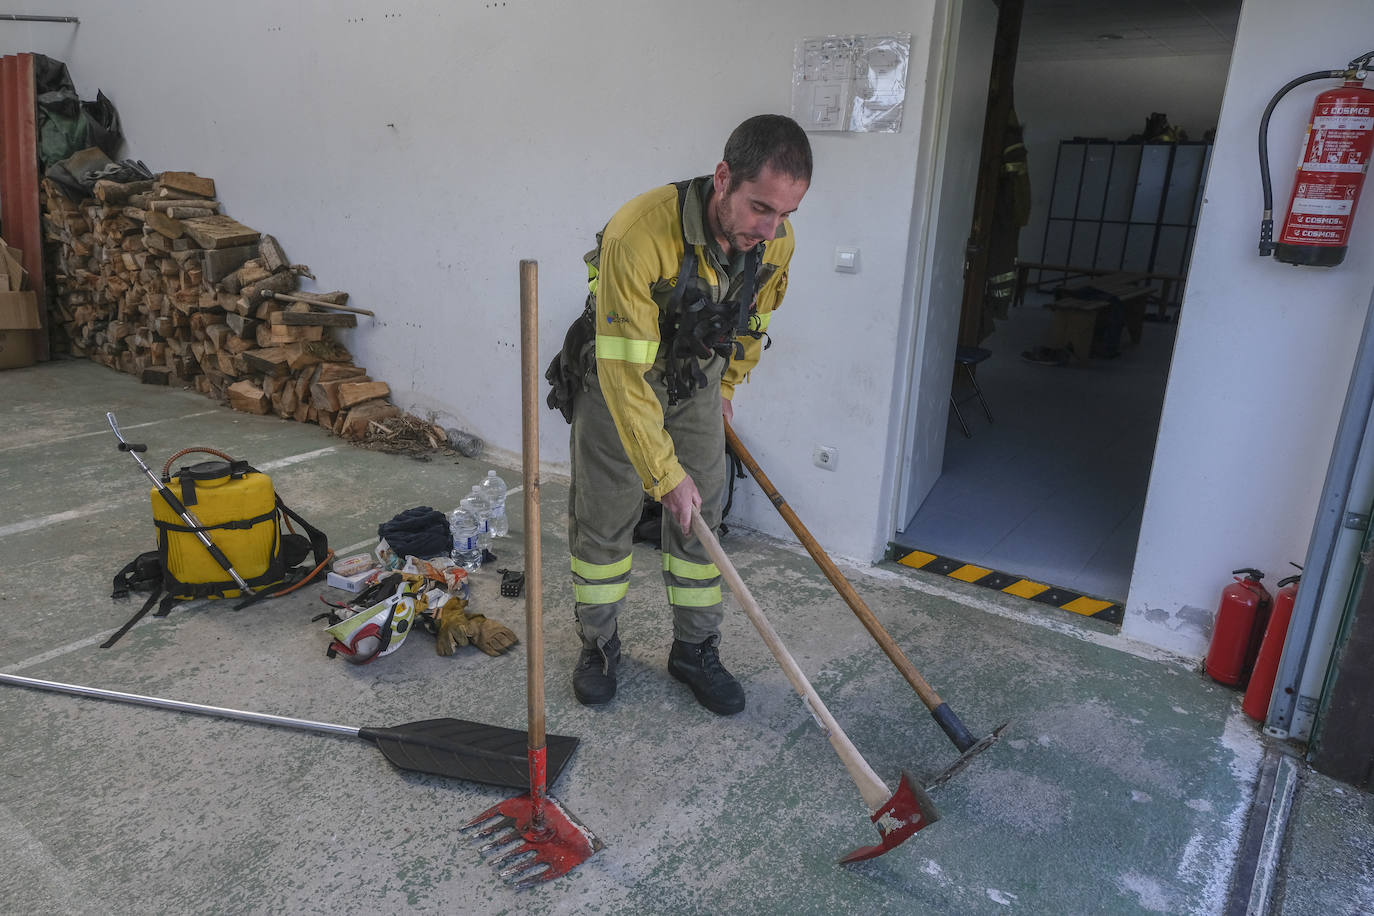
1122,784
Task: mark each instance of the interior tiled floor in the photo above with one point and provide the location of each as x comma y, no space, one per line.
1054,488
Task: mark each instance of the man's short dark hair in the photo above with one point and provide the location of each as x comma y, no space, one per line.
772,140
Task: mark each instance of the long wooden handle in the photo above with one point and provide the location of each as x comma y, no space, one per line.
875,793
856,604
534,590
316,300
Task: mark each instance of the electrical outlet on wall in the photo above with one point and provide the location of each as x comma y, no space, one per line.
825,456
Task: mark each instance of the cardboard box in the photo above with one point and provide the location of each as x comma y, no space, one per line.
19,311
17,349
356,582
11,267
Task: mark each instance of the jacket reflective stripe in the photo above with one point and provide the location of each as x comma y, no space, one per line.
760,322
685,569
642,352
694,597
601,570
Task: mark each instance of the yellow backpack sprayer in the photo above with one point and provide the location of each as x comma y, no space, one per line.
219,536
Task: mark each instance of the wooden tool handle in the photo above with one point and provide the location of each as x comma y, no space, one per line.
316,300
889,646
875,793
534,588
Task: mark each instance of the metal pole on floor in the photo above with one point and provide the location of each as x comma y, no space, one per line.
24,17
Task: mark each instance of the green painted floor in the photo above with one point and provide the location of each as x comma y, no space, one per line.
1121,785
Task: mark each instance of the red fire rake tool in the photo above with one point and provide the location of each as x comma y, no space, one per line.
898,814
954,729
538,840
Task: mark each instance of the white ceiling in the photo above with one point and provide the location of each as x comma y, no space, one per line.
1075,29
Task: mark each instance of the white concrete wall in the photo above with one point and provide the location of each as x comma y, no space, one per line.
411,153
1264,350
1111,100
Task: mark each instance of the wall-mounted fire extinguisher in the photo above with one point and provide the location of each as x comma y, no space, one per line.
1256,704
1241,618
1331,173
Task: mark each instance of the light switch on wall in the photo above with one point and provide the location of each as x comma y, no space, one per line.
847,260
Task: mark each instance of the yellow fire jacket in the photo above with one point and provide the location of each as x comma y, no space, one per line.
633,272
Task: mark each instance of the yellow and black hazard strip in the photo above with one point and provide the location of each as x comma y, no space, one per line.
1062,598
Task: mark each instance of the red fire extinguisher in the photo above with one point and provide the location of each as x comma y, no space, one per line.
1257,695
1241,618
1331,173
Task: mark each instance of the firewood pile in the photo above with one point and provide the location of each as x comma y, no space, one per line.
153,279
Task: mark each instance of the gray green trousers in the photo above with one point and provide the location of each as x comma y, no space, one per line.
606,500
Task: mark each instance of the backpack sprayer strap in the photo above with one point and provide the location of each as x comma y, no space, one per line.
319,549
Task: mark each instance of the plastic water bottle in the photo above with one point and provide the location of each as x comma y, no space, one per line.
476,503
464,526
494,489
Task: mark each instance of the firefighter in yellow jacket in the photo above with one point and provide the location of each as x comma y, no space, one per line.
684,282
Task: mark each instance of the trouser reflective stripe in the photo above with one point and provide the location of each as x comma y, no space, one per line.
600,583
606,499
600,593
601,570
691,584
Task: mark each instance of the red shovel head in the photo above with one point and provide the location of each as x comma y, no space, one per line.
536,838
908,810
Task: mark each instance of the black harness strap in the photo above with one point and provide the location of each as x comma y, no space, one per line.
693,325
129,625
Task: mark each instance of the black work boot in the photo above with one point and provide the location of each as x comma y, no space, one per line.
698,666
594,677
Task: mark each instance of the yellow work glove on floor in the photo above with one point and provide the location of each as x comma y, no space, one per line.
453,627
491,637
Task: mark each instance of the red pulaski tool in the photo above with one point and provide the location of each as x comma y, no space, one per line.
954,729
898,814
538,828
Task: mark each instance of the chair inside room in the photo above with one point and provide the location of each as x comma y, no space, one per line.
969,358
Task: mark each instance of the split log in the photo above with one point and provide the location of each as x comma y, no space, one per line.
273,257
267,360
338,371
321,319
355,421
279,282
244,327
281,334
164,224
183,203
218,335
324,394
247,397
352,394
187,182
116,192
220,232
221,262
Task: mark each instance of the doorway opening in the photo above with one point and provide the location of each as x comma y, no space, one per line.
1117,106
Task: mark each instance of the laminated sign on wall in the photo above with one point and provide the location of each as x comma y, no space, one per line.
850,82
